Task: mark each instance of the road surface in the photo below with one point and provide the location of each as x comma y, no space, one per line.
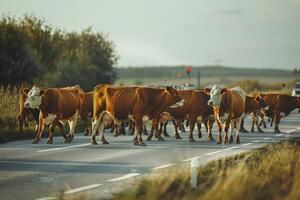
42,171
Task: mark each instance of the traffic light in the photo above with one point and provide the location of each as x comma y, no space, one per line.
188,70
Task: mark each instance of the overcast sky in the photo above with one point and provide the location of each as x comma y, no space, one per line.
244,33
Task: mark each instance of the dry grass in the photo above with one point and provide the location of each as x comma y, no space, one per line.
9,107
272,172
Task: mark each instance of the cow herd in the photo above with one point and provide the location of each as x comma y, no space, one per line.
118,106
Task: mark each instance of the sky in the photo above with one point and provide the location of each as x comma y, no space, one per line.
247,33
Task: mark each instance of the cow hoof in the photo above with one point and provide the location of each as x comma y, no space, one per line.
139,143
211,138
86,134
260,131
104,142
35,141
225,140
49,141
230,139
178,137
159,138
219,142
166,135
199,135
238,140
115,135
149,137
93,142
277,131
191,140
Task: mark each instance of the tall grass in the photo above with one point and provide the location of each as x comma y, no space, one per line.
272,172
9,107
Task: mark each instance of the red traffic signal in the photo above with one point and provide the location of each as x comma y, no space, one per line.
188,69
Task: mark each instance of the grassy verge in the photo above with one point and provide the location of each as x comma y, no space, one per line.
271,172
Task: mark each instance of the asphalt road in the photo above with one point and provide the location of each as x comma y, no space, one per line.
42,171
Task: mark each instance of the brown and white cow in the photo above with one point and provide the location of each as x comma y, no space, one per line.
252,104
195,109
55,105
29,114
229,108
136,103
280,106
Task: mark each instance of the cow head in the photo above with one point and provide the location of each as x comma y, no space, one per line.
34,97
260,100
215,93
173,96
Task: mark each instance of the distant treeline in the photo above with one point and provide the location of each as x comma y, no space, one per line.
31,51
205,71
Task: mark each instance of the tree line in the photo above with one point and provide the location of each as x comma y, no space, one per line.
33,52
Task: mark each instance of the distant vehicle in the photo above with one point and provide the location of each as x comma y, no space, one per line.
188,86
296,89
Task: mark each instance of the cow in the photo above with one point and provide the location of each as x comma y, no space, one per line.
252,104
135,103
229,107
55,105
280,106
29,114
195,109
87,111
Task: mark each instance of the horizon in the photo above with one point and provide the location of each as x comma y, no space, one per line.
261,34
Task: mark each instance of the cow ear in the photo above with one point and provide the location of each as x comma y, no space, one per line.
25,91
223,90
42,92
169,89
207,90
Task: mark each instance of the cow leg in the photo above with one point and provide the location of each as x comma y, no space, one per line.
233,125
187,122
226,129
40,130
220,129
182,128
192,126
151,132
87,130
199,126
242,128
122,129
157,131
277,118
253,121
95,126
177,136
238,124
20,120
138,132
163,128
272,121
145,132
61,127
257,125
209,125
51,130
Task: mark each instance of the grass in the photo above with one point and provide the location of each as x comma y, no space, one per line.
271,172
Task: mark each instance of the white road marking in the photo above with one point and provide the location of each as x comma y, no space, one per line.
212,153
88,187
290,131
255,141
246,144
124,177
278,135
230,148
60,148
47,198
189,159
267,138
164,166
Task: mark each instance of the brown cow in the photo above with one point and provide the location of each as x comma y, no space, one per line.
280,106
87,111
195,109
55,104
136,103
252,104
28,114
229,107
